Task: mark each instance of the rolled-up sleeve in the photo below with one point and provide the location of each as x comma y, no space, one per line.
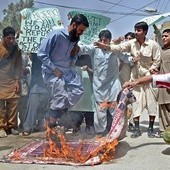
123,47
86,50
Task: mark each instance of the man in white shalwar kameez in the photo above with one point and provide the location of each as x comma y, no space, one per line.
106,83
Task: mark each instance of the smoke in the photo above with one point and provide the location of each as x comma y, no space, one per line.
71,119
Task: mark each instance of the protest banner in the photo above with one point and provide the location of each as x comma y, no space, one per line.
96,24
151,20
35,25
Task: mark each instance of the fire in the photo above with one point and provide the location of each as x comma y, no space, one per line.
106,151
16,155
58,148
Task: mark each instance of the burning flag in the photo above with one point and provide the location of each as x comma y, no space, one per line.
57,150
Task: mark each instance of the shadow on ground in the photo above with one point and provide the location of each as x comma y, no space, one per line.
122,149
166,151
146,144
5,148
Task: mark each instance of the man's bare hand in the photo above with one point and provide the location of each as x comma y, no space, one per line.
102,45
58,73
135,59
75,50
129,85
118,40
17,87
85,67
154,71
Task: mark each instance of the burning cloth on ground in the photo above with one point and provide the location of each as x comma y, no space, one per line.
74,153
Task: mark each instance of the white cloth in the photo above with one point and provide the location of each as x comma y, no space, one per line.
161,80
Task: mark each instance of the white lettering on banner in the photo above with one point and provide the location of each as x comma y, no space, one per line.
35,25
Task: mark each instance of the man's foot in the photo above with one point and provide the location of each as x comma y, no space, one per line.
151,133
102,134
99,135
130,127
136,133
90,130
26,133
3,134
14,131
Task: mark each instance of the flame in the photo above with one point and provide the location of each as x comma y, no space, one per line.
106,151
57,147
16,155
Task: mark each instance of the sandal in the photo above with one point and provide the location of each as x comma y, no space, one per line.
26,133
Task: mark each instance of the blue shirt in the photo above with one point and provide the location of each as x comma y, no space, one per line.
106,83
54,52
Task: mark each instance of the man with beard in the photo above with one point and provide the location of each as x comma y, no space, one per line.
63,81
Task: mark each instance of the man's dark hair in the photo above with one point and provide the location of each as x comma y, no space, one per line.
80,19
132,34
166,30
141,25
7,31
105,33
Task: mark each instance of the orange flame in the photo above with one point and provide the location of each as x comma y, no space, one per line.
58,147
16,155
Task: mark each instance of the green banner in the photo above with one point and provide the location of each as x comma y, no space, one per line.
96,24
35,25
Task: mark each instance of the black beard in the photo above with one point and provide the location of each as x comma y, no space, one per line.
72,35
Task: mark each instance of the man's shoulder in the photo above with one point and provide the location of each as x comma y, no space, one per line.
150,41
1,46
56,32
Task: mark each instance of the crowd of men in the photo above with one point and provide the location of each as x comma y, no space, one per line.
45,87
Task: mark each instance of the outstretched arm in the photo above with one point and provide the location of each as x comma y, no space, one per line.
158,34
142,80
102,46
